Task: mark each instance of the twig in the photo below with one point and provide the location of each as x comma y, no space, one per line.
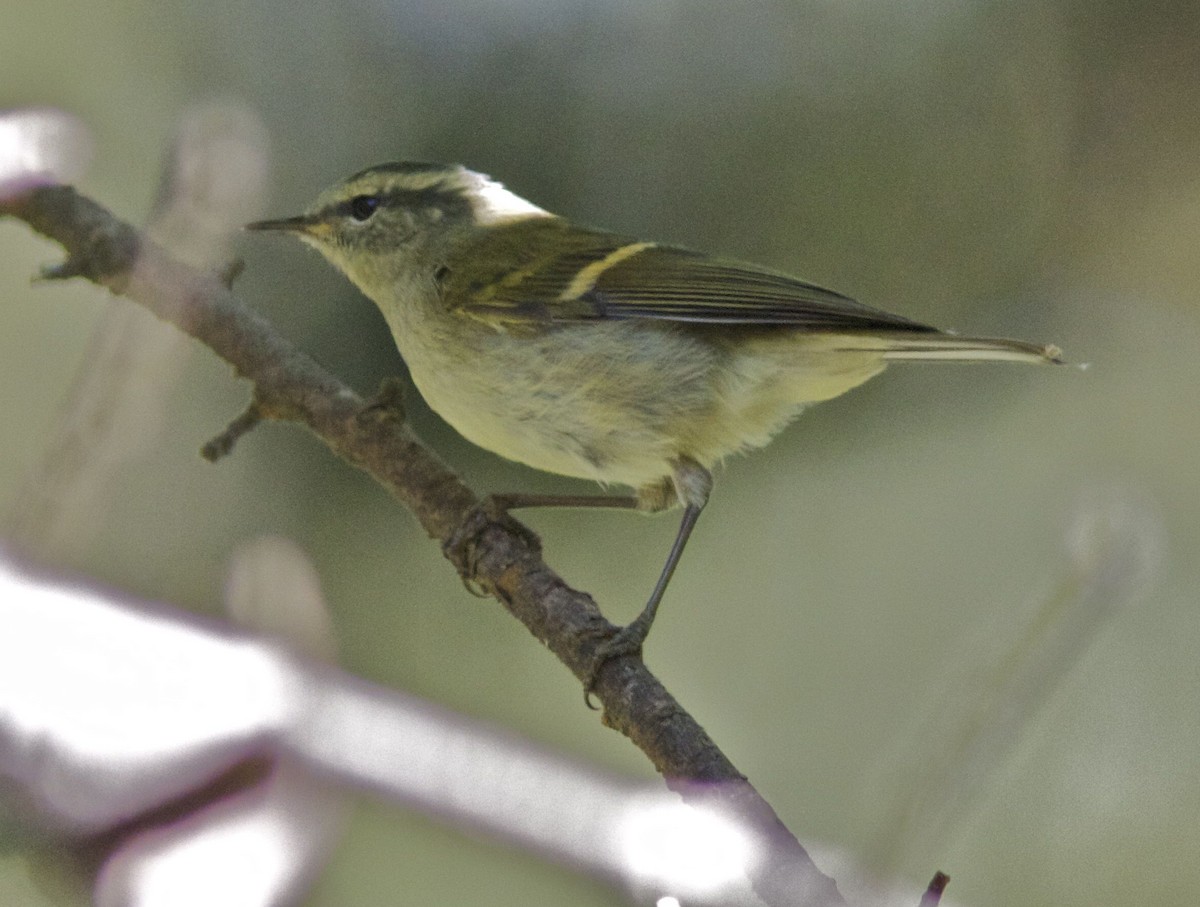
222,445
499,557
933,894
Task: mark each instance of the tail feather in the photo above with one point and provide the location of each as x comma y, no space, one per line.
951,347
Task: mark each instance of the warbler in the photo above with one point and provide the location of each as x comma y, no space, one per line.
586,353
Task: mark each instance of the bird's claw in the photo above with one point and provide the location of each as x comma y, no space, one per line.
461,547
627,640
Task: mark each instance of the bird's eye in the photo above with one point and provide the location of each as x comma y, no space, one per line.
363,206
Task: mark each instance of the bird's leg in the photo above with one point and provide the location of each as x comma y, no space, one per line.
692,484
502,503
495,508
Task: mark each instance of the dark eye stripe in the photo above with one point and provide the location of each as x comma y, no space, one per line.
362,208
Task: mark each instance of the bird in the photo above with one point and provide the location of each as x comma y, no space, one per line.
591,354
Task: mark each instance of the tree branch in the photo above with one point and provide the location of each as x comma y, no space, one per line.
497,554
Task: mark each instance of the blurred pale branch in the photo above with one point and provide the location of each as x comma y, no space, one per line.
990,695
499,555
211,185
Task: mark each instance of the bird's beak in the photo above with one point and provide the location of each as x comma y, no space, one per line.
303,224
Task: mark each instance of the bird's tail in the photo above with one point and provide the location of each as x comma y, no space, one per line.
951,347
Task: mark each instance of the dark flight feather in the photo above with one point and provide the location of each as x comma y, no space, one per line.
656,282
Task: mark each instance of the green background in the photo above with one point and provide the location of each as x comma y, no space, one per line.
1023,169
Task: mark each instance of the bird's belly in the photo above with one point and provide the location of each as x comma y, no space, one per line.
603,402
619,402
562,442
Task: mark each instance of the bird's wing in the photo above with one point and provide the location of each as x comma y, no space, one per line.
593,276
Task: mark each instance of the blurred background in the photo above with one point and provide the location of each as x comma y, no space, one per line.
848,616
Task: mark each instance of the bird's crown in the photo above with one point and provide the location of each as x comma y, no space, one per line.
450,189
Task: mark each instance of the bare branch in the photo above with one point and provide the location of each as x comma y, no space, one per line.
498,556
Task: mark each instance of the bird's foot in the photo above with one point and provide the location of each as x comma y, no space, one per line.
462,547
627,640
